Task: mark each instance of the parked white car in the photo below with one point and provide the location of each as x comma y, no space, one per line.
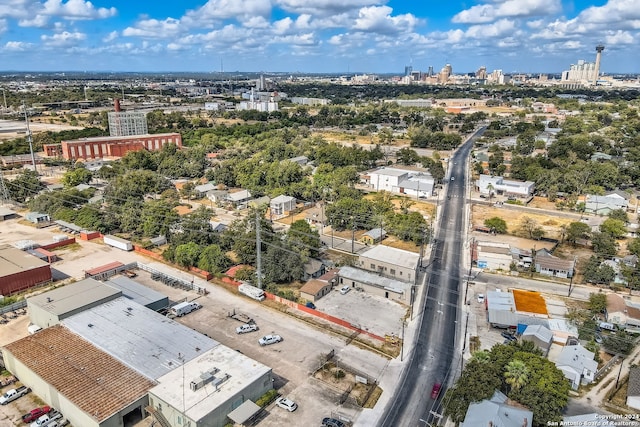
480,298
247,327
269,339
344,289
287,404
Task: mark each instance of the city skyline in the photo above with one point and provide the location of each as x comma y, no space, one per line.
330,36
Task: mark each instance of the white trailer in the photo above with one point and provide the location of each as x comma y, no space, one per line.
252,291
183,308
118,242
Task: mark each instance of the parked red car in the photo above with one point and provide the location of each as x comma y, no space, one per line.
435,391
35,414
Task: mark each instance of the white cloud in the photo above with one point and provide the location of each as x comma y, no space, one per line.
378,19
325,7
14,46
227,9
153,28
38,21
619,37
64,39
256,22
15,8
77,9
484,13
3,25
110,37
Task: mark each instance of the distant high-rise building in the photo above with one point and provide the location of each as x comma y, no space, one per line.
582,71
261,84
481,73
408,69
127,123
445,73
430,71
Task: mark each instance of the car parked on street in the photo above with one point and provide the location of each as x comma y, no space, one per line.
247,327
269,339
435,391
508,336
287,404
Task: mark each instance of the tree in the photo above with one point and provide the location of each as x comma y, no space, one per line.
620,215
187,254
213,259
621,343
516,374
577,231
604,245
25,186
76,176
634,246
597,272
613,227
531,228
282,264
303,238
597,303
496,224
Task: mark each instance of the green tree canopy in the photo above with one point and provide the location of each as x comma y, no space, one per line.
496,224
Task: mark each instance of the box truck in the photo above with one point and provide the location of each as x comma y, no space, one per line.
183,308
251,291
117,242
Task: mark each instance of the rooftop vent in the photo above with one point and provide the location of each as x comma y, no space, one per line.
49,299
90,325
204,379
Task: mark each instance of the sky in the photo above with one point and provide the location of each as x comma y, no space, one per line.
317,36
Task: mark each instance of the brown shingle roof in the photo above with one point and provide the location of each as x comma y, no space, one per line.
94,381
615,303
313,286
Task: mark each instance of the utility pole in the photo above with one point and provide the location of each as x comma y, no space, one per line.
258,247
573,274
29,138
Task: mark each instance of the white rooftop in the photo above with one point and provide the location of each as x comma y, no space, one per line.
142,339
242,372
389,172
374,279
391,255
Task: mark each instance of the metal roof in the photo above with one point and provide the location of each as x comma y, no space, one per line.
15,261
73,296
136,291
175,385
144,340
373,279
91,379
394,256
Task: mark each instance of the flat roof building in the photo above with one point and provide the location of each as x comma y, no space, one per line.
375,284
20,270
139,293
391,262
212,386
49,308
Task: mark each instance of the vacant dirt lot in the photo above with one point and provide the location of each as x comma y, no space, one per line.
549,223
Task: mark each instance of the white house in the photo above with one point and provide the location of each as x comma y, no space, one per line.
282,204
577,364
401,181
239,197
496,184
499,411
493,255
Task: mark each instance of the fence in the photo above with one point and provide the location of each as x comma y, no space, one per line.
607,366
13,307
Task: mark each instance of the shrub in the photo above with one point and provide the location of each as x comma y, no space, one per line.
267,398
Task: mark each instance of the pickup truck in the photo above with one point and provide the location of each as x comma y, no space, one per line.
34,414
47,419
13,394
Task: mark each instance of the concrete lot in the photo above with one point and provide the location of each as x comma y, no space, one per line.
369,312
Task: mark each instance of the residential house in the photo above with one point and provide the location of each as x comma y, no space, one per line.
259,202
411,182
603,205
633,388
374,236
217,196
493,255
550,265
315,289
623,312
282,205
301,160
239,199
202,189
391,262
315,217
499,411
540,336
577,365
618,277
487,184
313,269
217,227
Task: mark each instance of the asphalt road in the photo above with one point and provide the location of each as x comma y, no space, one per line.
432,360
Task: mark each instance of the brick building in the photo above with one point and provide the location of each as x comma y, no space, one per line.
111,146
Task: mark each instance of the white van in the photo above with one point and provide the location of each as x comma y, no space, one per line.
183,308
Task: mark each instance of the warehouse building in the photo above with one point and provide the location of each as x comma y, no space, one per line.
139,293
50,308
209,388
21,270
375,284
390,262
90,387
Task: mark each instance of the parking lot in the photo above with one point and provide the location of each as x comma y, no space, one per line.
372,313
